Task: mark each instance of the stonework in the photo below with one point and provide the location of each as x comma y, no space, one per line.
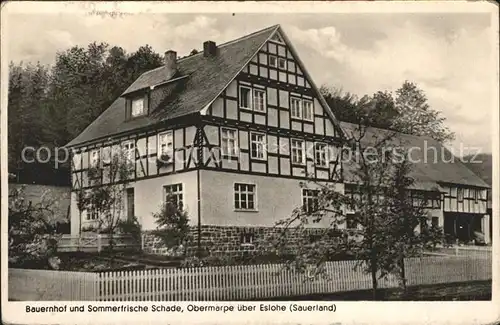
223,240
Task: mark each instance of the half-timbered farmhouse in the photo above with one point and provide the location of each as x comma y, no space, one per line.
455,198
231,132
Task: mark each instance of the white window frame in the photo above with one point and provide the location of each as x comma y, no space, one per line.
168,135
460,198
91,214
133,113
298,110
302,149
325,150
95,157
280,59
227,150
106,154
129,148
180,192
250,98
275,65
306,195
240,192
254,101
247,239
77,161
259,144
310,116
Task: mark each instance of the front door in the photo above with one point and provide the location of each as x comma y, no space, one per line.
130,204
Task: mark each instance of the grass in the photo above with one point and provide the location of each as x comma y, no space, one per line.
458,291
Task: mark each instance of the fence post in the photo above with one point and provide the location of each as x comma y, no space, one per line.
99,243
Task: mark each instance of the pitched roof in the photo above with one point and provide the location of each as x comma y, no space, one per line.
206,79
430,168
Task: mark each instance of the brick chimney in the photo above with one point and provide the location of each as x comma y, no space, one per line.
209,49
170,61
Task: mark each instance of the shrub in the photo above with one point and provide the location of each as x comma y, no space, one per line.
130,226
172,225
32,237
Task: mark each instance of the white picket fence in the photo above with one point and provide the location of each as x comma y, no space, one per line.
40,285
242,282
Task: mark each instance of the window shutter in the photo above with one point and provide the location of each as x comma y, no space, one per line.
128,109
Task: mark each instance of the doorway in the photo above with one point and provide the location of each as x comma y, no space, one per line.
130,204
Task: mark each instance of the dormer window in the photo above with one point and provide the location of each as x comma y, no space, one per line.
138,107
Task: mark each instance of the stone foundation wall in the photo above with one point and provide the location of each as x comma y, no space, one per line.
224,240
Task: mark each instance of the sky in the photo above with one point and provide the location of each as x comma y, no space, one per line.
449,55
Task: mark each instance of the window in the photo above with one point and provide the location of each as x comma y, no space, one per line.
302,109
77,161
130,203
308,112
298,152
165,146
258,145
129,150
245,97
91,213
273,61
296,107
252,99
106,155
244,196
94,158
247,238
259,100
351,220
460,194
435,222
475,195
310,201
175,194
321,154
138,107
436,202
282,63
229,142
424,226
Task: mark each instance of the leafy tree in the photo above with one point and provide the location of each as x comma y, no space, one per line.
415,115
27,88
107,199
406,112
403,214
372,160
344,104
32,234
50,106
173,225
